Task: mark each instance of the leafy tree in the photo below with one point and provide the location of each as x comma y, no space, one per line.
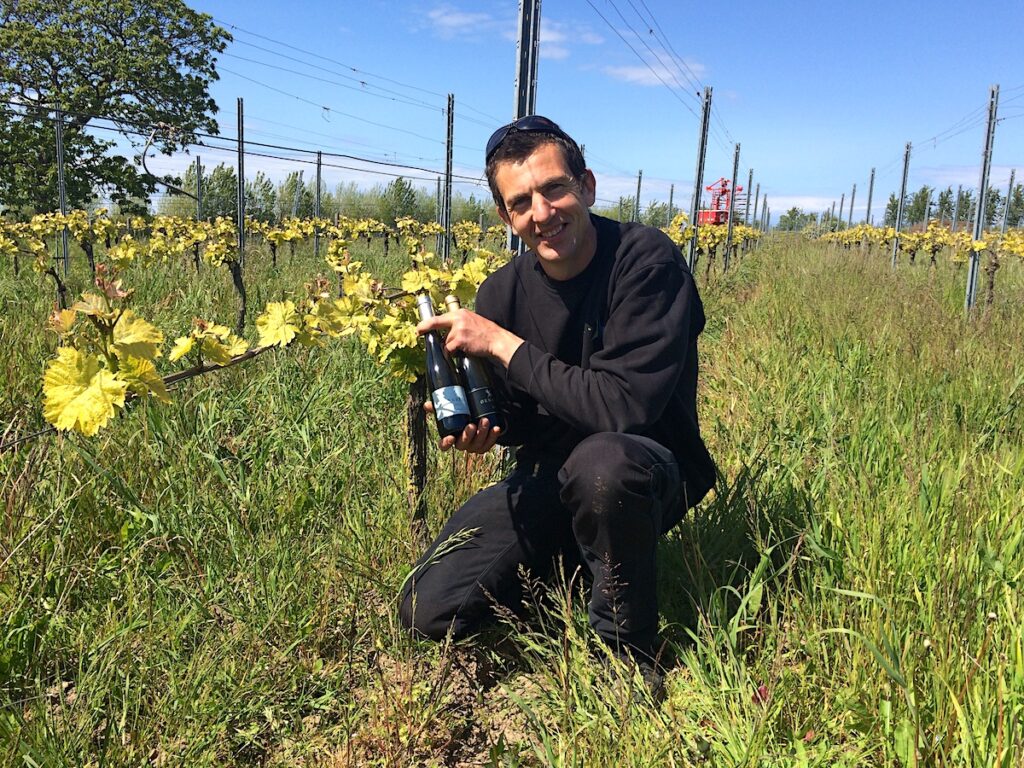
655,214
1016,206
294,198
140,62
916,211
993,207
398,200
472,208
944,206
892,209
261,198
181,205
965,209
795,220
220,193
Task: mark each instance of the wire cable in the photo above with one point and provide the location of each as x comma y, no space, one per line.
643,60
234,140
331,110
496,121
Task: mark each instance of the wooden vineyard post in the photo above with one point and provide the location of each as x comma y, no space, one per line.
416,455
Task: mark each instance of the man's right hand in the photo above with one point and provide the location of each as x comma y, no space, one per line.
475,438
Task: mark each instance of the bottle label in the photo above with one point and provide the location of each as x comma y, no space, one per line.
449,401
483,401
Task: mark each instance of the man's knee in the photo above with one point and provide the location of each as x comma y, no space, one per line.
424,612
611,464
618,487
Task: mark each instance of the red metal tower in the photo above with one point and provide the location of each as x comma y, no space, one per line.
718,211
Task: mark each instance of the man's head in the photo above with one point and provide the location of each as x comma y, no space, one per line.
543,189
517,141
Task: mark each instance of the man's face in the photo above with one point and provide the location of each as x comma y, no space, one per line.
549,210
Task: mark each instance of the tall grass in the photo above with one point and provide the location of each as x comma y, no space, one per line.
214,582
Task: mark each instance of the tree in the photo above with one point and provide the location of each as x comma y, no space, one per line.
398,200
1016,206
220,193
917,209
655,214
965,209
794,220
944,208
892,210
294,198
138,62
181,205
260,198
472,208
993,207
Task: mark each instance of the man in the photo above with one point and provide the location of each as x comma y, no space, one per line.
592,337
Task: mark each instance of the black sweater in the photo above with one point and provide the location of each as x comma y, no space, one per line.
613,349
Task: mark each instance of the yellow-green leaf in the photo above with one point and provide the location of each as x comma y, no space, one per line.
79,394
182,346
136,337
62,320
141,377
278,324
93,304
416,281
235,345
214,351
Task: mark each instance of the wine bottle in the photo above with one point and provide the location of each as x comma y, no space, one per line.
451,409
482,402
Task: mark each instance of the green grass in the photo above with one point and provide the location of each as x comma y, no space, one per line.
214,582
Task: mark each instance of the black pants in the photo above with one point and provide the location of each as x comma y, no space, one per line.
606,505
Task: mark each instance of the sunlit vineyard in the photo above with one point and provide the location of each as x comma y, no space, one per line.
200,565
108,352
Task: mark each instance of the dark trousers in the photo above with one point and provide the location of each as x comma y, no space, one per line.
605,506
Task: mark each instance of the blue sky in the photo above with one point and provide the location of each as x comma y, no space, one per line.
817,94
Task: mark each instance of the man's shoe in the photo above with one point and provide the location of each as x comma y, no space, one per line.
650,672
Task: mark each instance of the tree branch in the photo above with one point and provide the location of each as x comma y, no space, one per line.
157,179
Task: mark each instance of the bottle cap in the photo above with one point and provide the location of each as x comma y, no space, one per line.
425,306
452,302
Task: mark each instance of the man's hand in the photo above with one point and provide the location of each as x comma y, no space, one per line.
473,335
475,438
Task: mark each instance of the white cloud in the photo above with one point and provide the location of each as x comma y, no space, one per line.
966,176
663,70
779,204
553,52
449,22
556,37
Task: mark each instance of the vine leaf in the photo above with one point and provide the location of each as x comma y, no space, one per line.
278,324
135,337
78,393
141,377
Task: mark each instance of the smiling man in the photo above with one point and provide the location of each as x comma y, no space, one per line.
592,338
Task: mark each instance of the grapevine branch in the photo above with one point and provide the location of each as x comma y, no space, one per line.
174,378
